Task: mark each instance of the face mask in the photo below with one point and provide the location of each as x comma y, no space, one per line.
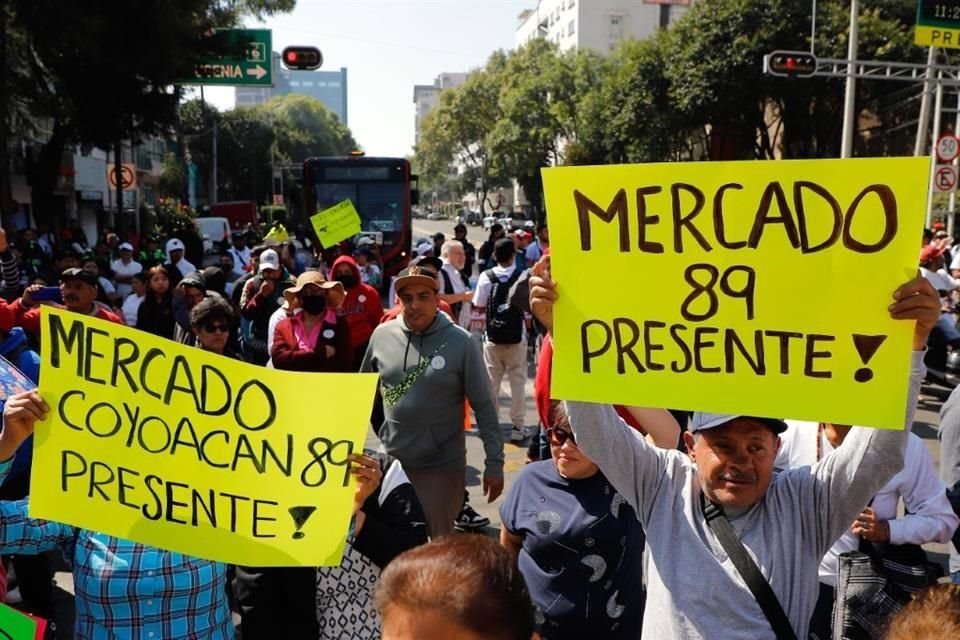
314,305
347,280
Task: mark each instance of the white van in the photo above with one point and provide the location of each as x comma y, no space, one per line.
214,232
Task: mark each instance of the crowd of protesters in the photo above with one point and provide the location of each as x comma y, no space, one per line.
627,522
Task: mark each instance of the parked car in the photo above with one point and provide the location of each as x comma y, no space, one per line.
436,215
214,231
474,218
488,222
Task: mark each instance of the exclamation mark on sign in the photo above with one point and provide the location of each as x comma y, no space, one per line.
300,516
867,347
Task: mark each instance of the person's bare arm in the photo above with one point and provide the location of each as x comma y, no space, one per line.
661,427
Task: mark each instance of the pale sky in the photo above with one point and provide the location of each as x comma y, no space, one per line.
387,47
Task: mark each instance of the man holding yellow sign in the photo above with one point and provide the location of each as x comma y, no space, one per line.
147,447
733,546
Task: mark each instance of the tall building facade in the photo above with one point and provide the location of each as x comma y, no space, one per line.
329,87
427,96
596,24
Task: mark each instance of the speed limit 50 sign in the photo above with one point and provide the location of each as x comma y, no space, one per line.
948,148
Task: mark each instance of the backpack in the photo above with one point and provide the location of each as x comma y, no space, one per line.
504,320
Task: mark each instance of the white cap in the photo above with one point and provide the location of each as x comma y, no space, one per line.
703,421
424,248
126,246
175,244
269,260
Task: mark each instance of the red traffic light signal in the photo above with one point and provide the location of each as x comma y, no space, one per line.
302,58
792,64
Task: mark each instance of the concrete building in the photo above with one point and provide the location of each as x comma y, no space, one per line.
596,24
427,96
329,87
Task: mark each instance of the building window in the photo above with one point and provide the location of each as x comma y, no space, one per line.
307,83
570,4
571,29
616,27
294,83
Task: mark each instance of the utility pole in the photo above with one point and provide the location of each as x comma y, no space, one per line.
850,94
923,123
119,222
6,193
952,207
937,115
213,161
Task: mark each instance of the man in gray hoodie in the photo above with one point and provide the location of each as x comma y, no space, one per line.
429,367
785,521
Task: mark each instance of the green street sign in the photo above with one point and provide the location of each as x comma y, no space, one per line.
254,68
938,23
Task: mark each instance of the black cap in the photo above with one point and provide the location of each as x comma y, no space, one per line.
504,249
428,261
76,273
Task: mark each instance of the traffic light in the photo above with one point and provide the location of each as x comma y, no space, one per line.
791,64
302,58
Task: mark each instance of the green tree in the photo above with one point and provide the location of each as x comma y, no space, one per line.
103,71
458,131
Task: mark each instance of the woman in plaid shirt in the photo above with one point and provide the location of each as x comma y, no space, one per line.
123,589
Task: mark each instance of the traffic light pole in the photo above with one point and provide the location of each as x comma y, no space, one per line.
924,120
850,93
937,121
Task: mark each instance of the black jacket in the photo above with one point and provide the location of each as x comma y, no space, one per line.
394,520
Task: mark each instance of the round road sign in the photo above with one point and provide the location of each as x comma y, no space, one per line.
948,148
945,178
127,177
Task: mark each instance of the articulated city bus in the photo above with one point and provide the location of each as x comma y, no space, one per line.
381,189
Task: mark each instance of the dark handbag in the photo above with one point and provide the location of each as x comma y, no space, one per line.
874,583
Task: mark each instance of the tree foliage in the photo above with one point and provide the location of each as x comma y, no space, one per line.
696,91
254,141
101,71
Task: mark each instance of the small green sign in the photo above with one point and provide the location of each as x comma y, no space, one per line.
336,224
254,69
17,626
938,23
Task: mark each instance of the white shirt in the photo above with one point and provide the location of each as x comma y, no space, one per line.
241,260
534,252
126,270
185,267
941,280
931,518
131,305
108,287
456,280
275,319
482,295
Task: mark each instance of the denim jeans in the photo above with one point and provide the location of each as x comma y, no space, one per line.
955,577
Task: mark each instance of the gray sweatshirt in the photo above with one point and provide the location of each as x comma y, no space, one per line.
424,413
950,455
693,589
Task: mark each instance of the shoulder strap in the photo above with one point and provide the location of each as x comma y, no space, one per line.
748,570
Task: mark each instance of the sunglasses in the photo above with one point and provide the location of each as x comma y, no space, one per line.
216,328
558,437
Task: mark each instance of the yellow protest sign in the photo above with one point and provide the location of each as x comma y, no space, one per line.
757,288
178,448
336,224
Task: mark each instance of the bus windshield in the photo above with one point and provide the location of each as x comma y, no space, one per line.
380,204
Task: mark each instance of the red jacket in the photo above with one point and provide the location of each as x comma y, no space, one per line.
29,318
288,355
362,306
541,389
